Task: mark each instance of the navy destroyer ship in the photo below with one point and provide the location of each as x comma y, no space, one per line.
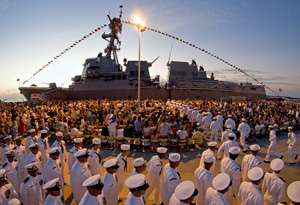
103,77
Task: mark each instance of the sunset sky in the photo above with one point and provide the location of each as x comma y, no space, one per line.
260,37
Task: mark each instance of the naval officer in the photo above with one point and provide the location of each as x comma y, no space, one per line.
137,186
184,193
215,194
94,159
20,156
43,147
110,190
34,156
227,145
94,189
55,195
7,191
60,143
29,141
271,148
77,146
249,161
122,162
291,145
293,192
7,146
139,166
244,130
210,151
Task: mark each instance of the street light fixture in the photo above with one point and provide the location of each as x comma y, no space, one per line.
139,24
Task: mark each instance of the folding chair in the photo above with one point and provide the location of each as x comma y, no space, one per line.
163,142
128,140
119,141
145,143
182,144
136,142
190,143
103,140
111,141
173,143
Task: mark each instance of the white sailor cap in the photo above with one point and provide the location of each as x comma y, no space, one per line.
255,174
32,167
275,125
59,134
125,147
77,140
174,157
138,162
93,181
229,115
43,131
110,163
96,141
53,151
228,127
219,112
136,182
52,184
293,191
214,118
81,153
185,190
208,158
18,138
34,146
212,144
277,164
14,201
32,130
234,150
10,153
243,119
290,128
7,137
271,126
198,124
231,135
221,181
161,150
254,147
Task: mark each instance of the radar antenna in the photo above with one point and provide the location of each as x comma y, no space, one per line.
150,64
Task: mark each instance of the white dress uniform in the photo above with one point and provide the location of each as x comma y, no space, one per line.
94,161
53,170
110,190
231,168
53,200
199,117
225,134
153,178
31,192
29,141
249,194
244,129
78,174
12,173
112,128
133,200
62,150
230,122
206,121
71,158
20,156
55,186
249,161
271,149
212,196
122,162
206,153
89,199
170,180
43,148
220,120
225,148
7,192
4,149
31,158
175,201
203,181
214,128
273,188
133,172
291,146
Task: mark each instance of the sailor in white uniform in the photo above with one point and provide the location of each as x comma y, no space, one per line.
34,156
229,165
29,141
171,178
220,120
77,146
31,191
137,186
272,146
94,159
206,121
291,145
184,193
139,166
210,151
154,172
7,146
11,167
122,162
293,192
94,189
249,161
20,156
7,191
249,192
226,146
214,130
230,122
55,195
60,143
203,179
273,186
215,194
79,173
244,130
52,168
110,190
43,147
225,134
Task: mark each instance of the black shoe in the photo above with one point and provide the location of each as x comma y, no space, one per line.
281,157
293,163
245,151
120,200
65,183
266,161
296,157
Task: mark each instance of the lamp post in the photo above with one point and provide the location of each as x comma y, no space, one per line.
139,24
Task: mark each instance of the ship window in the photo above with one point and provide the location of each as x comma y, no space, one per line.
132,73
123,77
119,77
113,77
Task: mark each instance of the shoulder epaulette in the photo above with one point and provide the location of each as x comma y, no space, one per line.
16,160
282,202
4,165
172,179
237,169
26,180
282,179
258,163
53,167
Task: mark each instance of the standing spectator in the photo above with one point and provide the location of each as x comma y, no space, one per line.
138,128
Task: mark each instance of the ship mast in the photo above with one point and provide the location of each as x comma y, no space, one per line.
116,28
